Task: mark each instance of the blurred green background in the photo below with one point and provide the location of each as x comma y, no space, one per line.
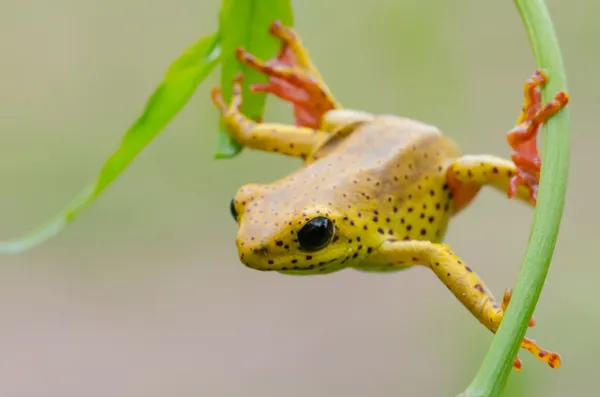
144,294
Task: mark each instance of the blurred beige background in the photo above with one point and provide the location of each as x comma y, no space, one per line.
144,295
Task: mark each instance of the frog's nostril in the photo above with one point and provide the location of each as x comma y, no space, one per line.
254,254
261,250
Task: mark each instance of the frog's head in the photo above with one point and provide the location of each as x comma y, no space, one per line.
294,233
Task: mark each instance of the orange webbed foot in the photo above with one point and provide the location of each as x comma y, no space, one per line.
517,364
523,137
292,78
551,358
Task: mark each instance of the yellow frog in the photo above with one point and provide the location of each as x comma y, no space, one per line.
375,192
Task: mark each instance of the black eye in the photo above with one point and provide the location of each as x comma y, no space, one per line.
316,234
233,211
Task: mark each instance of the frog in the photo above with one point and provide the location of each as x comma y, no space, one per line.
375,192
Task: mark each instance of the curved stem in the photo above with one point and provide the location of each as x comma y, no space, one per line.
497,365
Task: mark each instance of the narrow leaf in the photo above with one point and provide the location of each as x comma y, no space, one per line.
179,84
496,367
245,23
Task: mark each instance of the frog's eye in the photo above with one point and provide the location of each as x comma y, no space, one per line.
232,209
315,234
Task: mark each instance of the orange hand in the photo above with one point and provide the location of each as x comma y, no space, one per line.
292,78
523,137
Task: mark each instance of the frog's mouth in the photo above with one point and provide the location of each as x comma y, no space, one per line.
258,259
308,271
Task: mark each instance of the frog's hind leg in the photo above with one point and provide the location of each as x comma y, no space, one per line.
519,177
293,78
279,138
461,280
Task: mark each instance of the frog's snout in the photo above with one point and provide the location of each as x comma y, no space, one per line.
254,256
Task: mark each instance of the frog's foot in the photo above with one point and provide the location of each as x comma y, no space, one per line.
506,301
277,138
231,112
517,364
293,78
552,359
522,138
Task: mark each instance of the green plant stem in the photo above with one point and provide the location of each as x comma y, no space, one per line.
497,365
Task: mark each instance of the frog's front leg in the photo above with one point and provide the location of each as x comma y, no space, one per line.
293,78
519,177
467,174
286,139
461,280
523,137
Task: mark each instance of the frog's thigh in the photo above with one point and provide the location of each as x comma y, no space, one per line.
469,173
451,270
337,118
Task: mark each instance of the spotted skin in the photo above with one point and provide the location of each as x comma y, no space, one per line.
388,184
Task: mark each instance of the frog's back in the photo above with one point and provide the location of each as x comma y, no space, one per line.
391,148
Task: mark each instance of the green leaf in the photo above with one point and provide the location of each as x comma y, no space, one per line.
245,23
179,84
